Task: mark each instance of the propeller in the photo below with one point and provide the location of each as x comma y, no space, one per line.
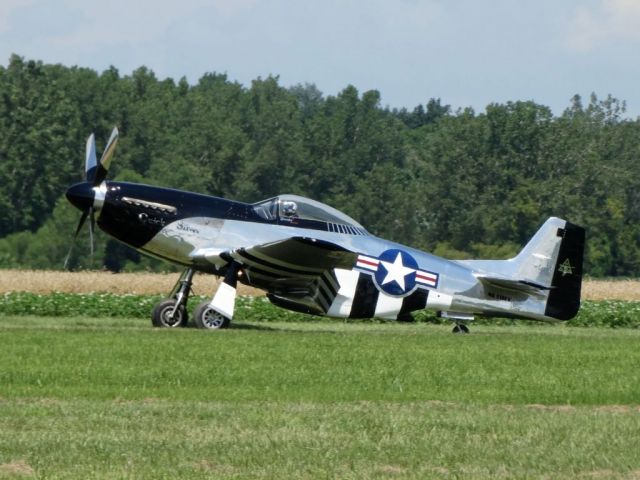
87,196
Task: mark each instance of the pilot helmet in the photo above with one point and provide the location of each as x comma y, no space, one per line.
289,208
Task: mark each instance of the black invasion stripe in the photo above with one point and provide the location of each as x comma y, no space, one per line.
365,298
320,285
273,257
326,288
322,289
323,293
256,275
274,272
329,279
264,263
324,303
257,279
325,278
274,276
267,280
416,301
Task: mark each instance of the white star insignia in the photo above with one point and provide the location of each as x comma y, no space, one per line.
396,271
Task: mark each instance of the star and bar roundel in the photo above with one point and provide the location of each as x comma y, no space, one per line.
396,272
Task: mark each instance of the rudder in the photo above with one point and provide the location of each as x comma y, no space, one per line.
563,302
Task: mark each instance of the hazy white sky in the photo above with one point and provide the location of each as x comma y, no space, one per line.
467,52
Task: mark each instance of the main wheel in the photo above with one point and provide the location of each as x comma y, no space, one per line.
206,317
161,315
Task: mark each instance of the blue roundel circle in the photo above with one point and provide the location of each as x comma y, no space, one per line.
396,274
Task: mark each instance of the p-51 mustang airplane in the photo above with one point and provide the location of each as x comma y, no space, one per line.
312,258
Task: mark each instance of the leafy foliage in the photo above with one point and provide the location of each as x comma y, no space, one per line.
96,305
461,183
607,313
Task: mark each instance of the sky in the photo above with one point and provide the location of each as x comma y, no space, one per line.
468,53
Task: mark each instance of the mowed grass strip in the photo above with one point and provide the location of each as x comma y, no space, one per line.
320,362
114,398
153,438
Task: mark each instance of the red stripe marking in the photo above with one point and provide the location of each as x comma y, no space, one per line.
426,276
368,262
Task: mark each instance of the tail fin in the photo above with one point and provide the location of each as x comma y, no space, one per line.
553,259
548,268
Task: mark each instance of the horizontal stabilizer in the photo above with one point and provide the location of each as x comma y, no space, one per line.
511,284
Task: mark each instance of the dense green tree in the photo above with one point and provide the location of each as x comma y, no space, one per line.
273,159
38,125
461,184
421,116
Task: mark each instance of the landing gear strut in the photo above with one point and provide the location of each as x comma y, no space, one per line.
172,312
218,312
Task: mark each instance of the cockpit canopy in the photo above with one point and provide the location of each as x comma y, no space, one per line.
287,208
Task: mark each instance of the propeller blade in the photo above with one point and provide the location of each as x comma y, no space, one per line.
83,218
92,226
90,162
83,195
105,160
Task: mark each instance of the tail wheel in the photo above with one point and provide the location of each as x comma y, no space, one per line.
161,315
206,317
460,328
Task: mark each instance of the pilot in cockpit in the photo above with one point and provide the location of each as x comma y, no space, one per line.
289,209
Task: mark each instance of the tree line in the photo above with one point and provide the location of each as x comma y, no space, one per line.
458,183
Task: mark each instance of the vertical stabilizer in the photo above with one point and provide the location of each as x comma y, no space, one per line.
547,274
536,262
553,259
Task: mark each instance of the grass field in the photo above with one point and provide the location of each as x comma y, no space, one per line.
113,398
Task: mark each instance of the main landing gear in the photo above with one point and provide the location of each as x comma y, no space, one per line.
206,317
213,315
172,312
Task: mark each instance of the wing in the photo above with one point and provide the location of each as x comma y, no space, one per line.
297,272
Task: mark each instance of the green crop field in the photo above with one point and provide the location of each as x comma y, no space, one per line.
114,398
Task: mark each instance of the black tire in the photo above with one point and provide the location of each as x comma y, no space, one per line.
206,317
160,315
460,328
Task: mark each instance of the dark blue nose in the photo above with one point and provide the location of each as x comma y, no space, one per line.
81,195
